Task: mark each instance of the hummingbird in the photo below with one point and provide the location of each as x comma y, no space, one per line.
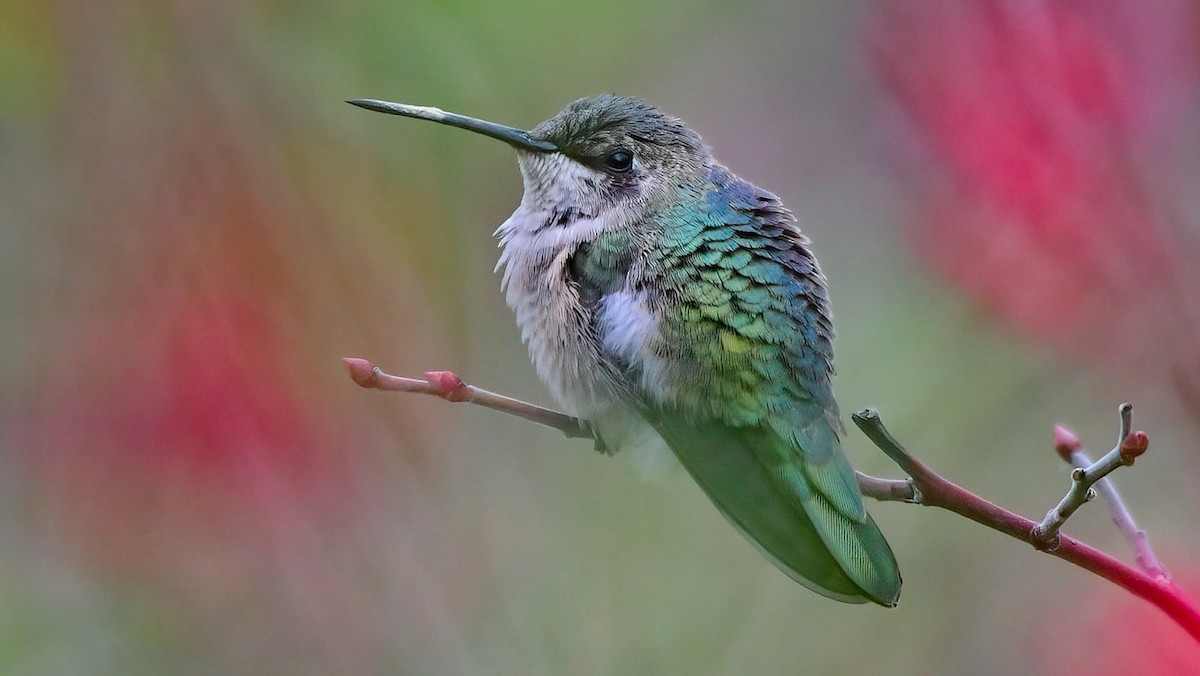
663,298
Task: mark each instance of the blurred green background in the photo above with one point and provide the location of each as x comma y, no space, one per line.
194,229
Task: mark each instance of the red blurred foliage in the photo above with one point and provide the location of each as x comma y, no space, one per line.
189,437
173,440
174,404
1037,135
1106,632
223,395
1035,129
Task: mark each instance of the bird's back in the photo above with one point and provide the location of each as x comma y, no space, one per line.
733,369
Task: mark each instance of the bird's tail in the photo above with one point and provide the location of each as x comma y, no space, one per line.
800,518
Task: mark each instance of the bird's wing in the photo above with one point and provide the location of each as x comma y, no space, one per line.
731,365
784,517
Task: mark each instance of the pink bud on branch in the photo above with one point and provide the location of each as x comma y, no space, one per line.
449,386
1065,442
1134,445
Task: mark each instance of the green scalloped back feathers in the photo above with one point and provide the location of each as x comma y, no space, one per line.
755,423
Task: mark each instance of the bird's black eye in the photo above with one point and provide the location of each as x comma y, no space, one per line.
619,160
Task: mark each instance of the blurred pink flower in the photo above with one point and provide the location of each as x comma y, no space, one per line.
1107,632
175,404
1031,122
189,438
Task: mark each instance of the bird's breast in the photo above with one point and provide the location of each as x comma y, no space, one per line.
555,322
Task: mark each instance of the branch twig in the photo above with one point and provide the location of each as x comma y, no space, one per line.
1071,451
939,492
924,487
1129,446
450,387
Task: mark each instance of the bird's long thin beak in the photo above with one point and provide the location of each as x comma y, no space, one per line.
510,135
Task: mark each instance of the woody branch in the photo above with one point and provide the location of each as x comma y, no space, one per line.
924,486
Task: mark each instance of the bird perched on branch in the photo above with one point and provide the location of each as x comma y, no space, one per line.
661,296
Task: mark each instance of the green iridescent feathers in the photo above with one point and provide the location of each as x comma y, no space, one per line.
755,422
791,524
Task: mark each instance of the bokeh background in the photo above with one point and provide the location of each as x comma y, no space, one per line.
194,229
